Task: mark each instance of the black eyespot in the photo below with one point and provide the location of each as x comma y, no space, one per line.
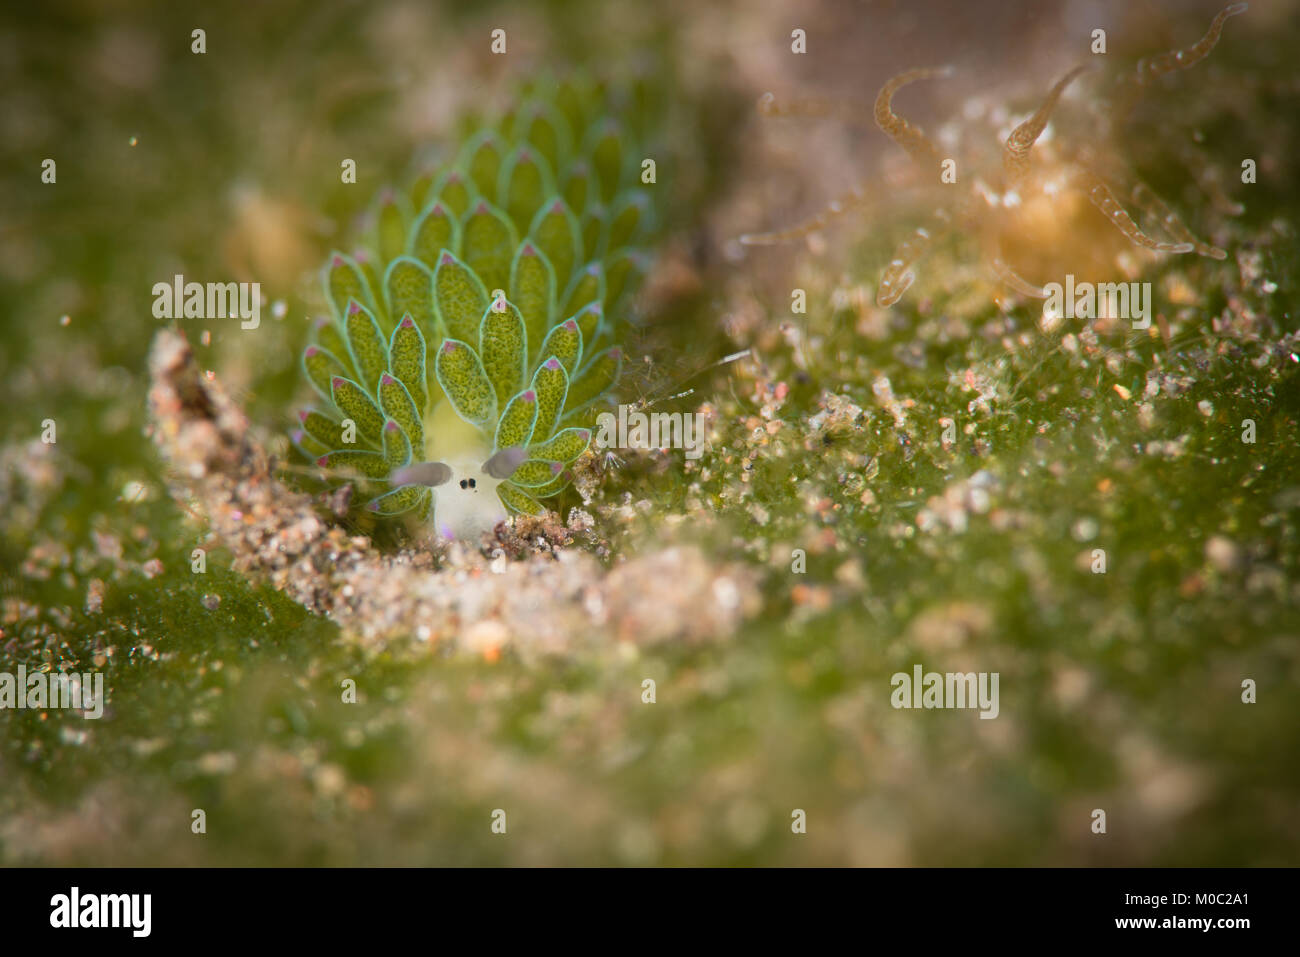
463,483
473,483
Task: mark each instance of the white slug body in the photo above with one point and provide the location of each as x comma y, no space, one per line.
468,505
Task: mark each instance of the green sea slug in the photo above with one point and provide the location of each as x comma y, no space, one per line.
471,346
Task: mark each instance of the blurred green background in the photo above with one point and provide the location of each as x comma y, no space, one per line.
1118,691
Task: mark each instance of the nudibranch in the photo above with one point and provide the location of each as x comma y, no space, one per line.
472,345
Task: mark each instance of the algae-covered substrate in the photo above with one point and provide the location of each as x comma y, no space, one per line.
687,655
